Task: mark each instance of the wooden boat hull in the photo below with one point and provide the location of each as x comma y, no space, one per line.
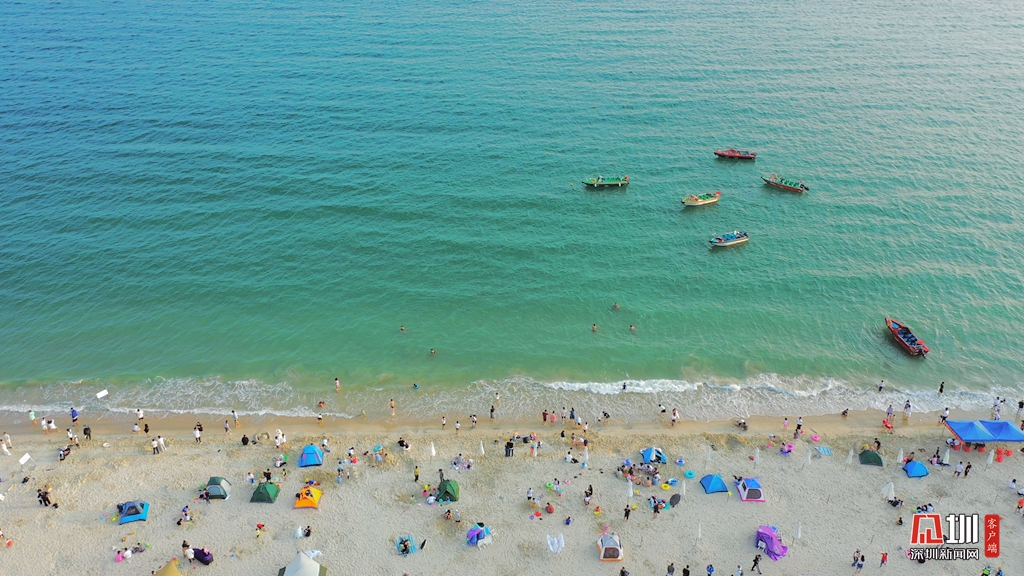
789,188
910,343
736,154
698,201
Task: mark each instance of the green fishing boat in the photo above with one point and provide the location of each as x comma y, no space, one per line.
602,182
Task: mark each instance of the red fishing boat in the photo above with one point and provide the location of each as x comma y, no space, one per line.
906,338
736,154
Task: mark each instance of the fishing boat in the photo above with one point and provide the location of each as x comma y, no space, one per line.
736,154
702,199
729,239
785,184
906,338
602,182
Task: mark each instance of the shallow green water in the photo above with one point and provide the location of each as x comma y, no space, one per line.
231,209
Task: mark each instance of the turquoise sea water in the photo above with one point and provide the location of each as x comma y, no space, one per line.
216,205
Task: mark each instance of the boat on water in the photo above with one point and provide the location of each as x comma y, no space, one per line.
702,199
729,239
902,333
602,182
785,183
736,154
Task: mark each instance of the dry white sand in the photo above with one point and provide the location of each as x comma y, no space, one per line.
839,507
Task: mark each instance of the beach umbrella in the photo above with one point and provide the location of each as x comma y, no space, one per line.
899,457
698,531
433,452
796,533
586,453
889,491
945,458
707,457
481,447
682,487
991,455
807,460
757,456
849,458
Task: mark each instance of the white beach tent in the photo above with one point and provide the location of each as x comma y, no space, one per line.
303,565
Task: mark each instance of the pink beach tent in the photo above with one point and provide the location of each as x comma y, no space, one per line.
767,539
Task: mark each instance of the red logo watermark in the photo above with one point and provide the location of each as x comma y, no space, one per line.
991,535
927,530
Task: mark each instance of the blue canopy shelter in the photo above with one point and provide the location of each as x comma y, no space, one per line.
984,431
713,483
133,511
970,431
915,469
311,456
654,455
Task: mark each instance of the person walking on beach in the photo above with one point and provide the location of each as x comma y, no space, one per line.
416,474
856,556
140,414
234,416
391,403
160,442
958,470
74,417
942,386
881,384
967,470
906,410
785,423
671,570
457,427
889,413
944,415
711,569
799,423
625,513
757,564
444,422
156,446
198,434
472,421
885,559
492,412
7,441
337,385
227,427
440,473
739,571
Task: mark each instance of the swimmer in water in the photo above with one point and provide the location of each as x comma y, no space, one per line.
415,386
402,329
615,306
632,328
593,328
432,352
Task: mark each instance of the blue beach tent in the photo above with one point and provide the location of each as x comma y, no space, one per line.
915,469
311,456
713,483
133,512
655,455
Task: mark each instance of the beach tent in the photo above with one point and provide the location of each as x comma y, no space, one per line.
654,455
478,535
219,488
767,539
750,490
915,469
448,490
133,512
265,492
870,458
610,548
169,569
713,483
309,498
302,565
311,456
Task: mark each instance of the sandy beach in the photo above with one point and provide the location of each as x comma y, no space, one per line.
839,508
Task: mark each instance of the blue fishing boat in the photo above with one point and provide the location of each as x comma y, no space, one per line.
729,239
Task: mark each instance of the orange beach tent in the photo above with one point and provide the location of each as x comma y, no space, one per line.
309,497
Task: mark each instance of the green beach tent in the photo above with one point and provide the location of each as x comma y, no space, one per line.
448,490
871,458
265,492
219,488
